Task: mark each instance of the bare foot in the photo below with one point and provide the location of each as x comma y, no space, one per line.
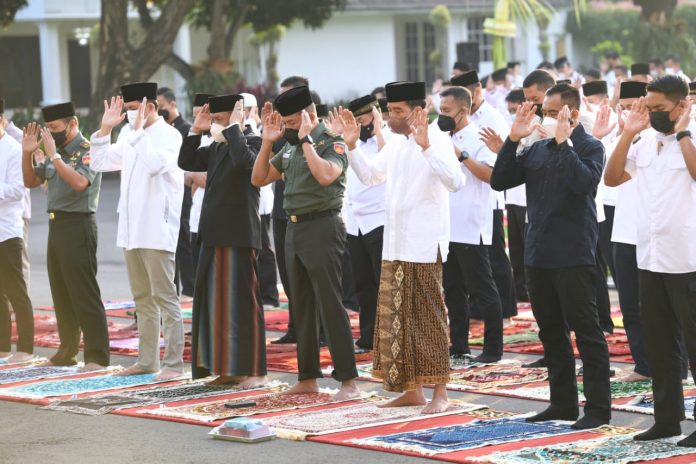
507,322
20,357
439,403
303,387
253,382
132,370
634,377
349,391
408,398
168,374
227,380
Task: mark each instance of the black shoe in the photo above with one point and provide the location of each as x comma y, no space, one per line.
658,431
554,413
541,362
486,358
688,442
612,372
363,345
457,353
588,422
287,338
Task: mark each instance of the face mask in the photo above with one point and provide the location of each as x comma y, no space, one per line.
292,136
400,125
659,120
446,123
538,110
654,74
164,114
549,125
216,132
366,132
131,115
60,137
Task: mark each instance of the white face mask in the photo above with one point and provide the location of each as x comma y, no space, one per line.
550,124
132,115
216,132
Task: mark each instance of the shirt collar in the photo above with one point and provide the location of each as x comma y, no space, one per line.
664,137
468,130
317,131
74,144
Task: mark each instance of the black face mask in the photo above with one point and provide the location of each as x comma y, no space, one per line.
366,132
446,123
538,111
60,137
164,114
292,136
659,120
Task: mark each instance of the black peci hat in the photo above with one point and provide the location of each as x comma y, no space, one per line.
138,91
632,89
322,111
405,91
293,100
59,111
362,105
640,69
466,79
223,103
201,99
594,88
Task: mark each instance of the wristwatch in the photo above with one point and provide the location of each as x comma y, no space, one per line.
682,134
463,157
56,157
307,139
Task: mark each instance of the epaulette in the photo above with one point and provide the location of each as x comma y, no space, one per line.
331,133
84,144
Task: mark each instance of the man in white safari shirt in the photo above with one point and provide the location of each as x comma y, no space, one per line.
152,188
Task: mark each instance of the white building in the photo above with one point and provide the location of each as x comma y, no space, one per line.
49,53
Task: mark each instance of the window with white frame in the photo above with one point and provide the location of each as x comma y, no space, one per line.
485,41
419,42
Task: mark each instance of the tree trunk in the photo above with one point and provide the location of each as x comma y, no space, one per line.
216,49
242,9
184,69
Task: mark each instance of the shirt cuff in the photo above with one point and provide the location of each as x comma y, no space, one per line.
98,141
192,133
135,137
429,152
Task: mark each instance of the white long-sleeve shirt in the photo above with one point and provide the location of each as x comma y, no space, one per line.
17,134
487,116
11,189
418,185
152,184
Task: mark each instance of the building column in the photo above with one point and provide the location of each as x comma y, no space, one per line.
51,70
182,47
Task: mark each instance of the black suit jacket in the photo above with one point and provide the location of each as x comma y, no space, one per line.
230,212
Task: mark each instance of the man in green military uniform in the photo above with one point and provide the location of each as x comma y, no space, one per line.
313,164
73,194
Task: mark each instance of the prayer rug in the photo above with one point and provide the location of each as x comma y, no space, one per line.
76,386
194,390
216,410
524,337
491,377
620,449
475,434
25,374
646,405
4,364
97,405
284,357
300,425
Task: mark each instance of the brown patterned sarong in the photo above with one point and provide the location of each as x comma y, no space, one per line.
411,330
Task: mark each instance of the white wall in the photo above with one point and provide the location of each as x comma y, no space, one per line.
348,57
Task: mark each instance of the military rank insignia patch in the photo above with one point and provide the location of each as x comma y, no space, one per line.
339,148
85,159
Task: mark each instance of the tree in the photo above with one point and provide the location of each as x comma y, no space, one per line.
656,11
8,10
122,61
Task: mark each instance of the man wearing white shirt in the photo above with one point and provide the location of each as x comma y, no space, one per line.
467,272
485,116
420,170
365,218
13,285
152,189
663,164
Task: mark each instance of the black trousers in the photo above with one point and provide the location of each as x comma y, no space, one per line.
13,287
602,290
280,227
516,233
501,267
195,252
72,274
184,272
366,258
268,274
606,256
668,309
467,273
350,296
562,298
626,279
314,252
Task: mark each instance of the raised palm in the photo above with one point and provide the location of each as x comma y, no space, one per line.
351,131
203,120
30,139
524,123
638,119
113,113
602,126
272,124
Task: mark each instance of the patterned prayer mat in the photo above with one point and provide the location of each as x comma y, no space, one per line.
524,337
496,376
5,364
621,449
460,437
646,405
97,405
197,389
216,410
75,386
24,374
300,425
